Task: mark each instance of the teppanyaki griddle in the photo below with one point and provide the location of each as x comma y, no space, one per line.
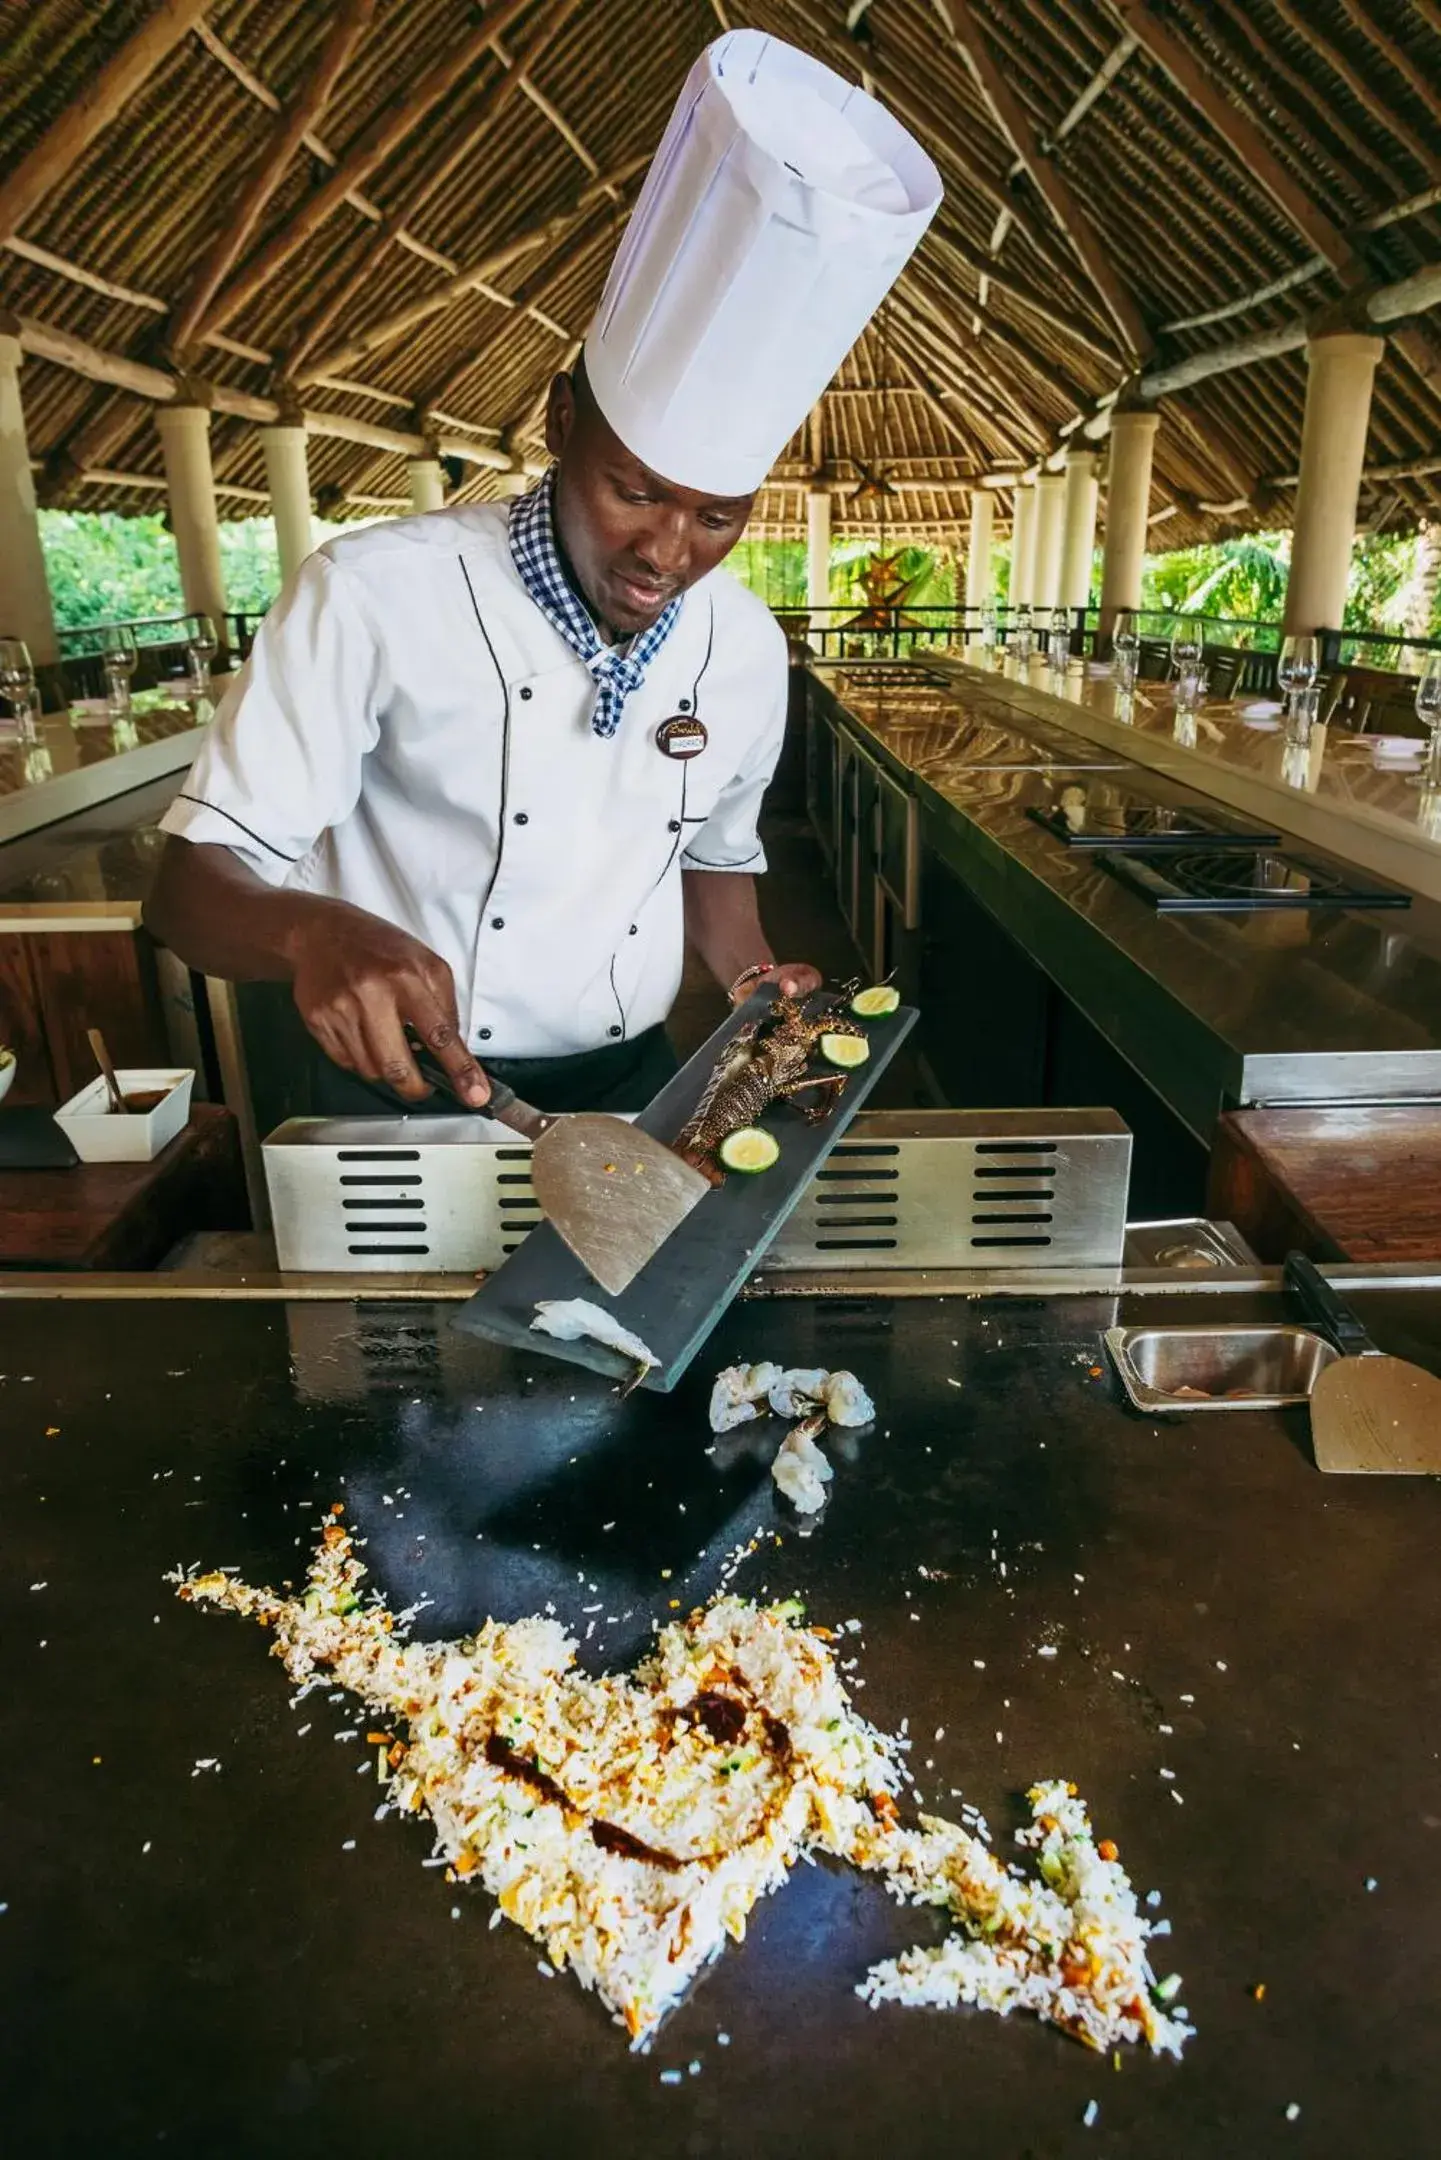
677,1298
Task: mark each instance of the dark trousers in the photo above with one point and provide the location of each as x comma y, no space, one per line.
619,1076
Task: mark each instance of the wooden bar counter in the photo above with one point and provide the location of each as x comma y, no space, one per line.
116,1216
1353,1182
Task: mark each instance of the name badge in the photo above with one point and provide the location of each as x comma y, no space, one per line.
683,737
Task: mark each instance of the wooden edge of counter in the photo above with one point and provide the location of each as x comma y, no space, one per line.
279,1287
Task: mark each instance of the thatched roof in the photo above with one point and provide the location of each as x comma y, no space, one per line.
1223,149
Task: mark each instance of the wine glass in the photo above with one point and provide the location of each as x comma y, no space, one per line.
1297,667
17,685
200,648
1187,645
1058,642
118,655
1126,648
1021,634
1428,712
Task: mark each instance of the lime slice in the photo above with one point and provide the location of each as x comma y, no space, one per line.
7,1057
875,1003
846,1050
750,1149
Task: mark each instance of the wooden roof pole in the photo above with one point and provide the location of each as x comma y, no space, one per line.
896,93
1065,207
1241,136
915,352
1025,295
1090,93
290,130
985,395
465,282
1408,67
1003,336
159,387
1366,163
462,147
372,148
936,409
543,281
59,148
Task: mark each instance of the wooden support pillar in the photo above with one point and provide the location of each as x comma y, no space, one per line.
1341,370
979,589
1128,503
1050,521
287,475
1023,544
190,482
818,549
25,610
1078,538
427,483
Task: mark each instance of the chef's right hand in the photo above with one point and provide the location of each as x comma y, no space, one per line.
358,981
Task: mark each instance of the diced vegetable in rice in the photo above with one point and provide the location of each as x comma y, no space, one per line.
577,1320
739,1394
1071,1947
802,1471
629,1823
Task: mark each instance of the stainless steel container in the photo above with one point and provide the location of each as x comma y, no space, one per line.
1186,1241
1217,1368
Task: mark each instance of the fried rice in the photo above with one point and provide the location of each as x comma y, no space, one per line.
629,1823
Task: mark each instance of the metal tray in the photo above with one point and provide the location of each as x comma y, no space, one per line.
1192,1242
1275,1365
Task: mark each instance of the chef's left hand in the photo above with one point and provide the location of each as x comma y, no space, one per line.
793,978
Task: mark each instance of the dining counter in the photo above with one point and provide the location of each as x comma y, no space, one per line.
86,756
1211,1010
1338,790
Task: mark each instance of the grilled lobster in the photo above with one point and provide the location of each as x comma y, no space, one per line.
766,1062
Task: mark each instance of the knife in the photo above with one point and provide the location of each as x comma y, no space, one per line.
613,1193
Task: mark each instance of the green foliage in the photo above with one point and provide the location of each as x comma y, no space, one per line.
250,563
1382,568
776,570
103,567
1245,577
773,569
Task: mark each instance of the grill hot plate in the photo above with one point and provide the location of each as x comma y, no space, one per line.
1230,881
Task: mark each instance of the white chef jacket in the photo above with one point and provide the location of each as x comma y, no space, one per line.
410,734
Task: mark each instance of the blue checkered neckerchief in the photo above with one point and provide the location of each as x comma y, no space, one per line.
617,669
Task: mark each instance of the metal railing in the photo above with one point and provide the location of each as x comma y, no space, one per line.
836,633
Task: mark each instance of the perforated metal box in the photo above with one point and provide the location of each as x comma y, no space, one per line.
966,1189
908,1189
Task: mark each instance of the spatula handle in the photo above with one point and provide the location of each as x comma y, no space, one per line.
521,1117
1327,1307
504,1103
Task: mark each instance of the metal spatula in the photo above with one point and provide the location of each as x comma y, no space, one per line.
1368,1411
612,1192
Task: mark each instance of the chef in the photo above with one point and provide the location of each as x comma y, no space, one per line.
486,771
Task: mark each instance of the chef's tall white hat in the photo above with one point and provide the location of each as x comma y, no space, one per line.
779,210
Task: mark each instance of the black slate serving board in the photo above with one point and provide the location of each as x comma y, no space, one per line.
677,1298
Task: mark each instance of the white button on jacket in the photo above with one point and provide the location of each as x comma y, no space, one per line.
411,735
